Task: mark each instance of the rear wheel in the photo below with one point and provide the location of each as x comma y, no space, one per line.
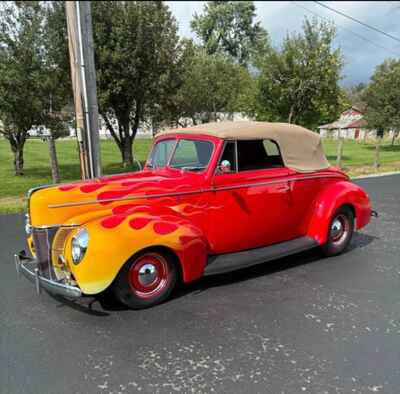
146,280
340,232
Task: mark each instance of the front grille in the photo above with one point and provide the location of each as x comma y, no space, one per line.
43,239
48,243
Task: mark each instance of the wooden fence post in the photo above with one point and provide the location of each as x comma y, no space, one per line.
377,151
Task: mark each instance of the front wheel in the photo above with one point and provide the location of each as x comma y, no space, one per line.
340,232
146,280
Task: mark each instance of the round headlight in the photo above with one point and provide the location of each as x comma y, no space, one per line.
79,245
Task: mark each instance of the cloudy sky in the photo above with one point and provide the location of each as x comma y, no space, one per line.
281,17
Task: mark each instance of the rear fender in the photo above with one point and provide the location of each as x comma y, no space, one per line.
329,200
115,238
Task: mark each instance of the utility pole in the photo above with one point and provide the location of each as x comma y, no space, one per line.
83,74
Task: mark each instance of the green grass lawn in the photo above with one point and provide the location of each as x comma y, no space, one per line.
357,159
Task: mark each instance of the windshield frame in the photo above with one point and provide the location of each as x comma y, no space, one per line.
177,139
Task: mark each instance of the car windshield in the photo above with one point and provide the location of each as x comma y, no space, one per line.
185,154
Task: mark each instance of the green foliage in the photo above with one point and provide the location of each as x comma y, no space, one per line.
21,64
34,75
136,55
210,84
298,82
354,96
228,27
382,97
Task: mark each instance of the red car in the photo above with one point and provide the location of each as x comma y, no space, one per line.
211,199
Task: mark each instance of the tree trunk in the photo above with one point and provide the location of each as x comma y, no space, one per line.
19,160
393,137
17,143
126,152
377,151
55,171
290,118
339,152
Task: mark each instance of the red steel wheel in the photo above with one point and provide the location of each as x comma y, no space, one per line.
340,232
340,228
149,275
146,280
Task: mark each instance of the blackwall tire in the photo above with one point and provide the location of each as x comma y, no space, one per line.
340,232
146,280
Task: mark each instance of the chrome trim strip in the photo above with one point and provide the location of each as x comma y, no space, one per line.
190,192
45,227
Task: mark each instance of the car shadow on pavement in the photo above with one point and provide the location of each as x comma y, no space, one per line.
85,305
105,302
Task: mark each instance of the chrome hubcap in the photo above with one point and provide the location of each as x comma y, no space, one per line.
147,274
336,229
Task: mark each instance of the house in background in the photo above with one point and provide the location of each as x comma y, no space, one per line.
350,125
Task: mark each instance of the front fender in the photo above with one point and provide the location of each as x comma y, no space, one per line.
115,238
329,200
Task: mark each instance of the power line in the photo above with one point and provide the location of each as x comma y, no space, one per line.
349,30
358,21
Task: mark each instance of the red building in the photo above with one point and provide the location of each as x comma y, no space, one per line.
350,125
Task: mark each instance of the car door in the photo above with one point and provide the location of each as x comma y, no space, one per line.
252,203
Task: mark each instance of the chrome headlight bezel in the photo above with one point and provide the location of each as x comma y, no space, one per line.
79,245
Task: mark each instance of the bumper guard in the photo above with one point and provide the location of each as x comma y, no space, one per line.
29,268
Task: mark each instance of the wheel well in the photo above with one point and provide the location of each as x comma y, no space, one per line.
351,207
164,250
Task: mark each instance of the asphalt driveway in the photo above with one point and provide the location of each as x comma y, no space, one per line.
300,324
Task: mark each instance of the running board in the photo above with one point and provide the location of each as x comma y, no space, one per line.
218,264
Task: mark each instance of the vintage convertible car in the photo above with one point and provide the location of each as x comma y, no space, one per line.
211,199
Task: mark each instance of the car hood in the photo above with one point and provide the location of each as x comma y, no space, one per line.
56,205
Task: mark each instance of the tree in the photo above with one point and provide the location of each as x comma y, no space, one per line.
228,27
382,98
57,87
20,74
355,95
210,85
136,55
299,82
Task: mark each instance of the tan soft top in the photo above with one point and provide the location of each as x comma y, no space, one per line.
301,149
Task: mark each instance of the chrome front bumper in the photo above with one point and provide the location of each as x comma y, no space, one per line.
29,268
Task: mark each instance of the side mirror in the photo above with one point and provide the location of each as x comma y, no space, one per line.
225,167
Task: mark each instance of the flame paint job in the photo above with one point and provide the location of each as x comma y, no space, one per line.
193,214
